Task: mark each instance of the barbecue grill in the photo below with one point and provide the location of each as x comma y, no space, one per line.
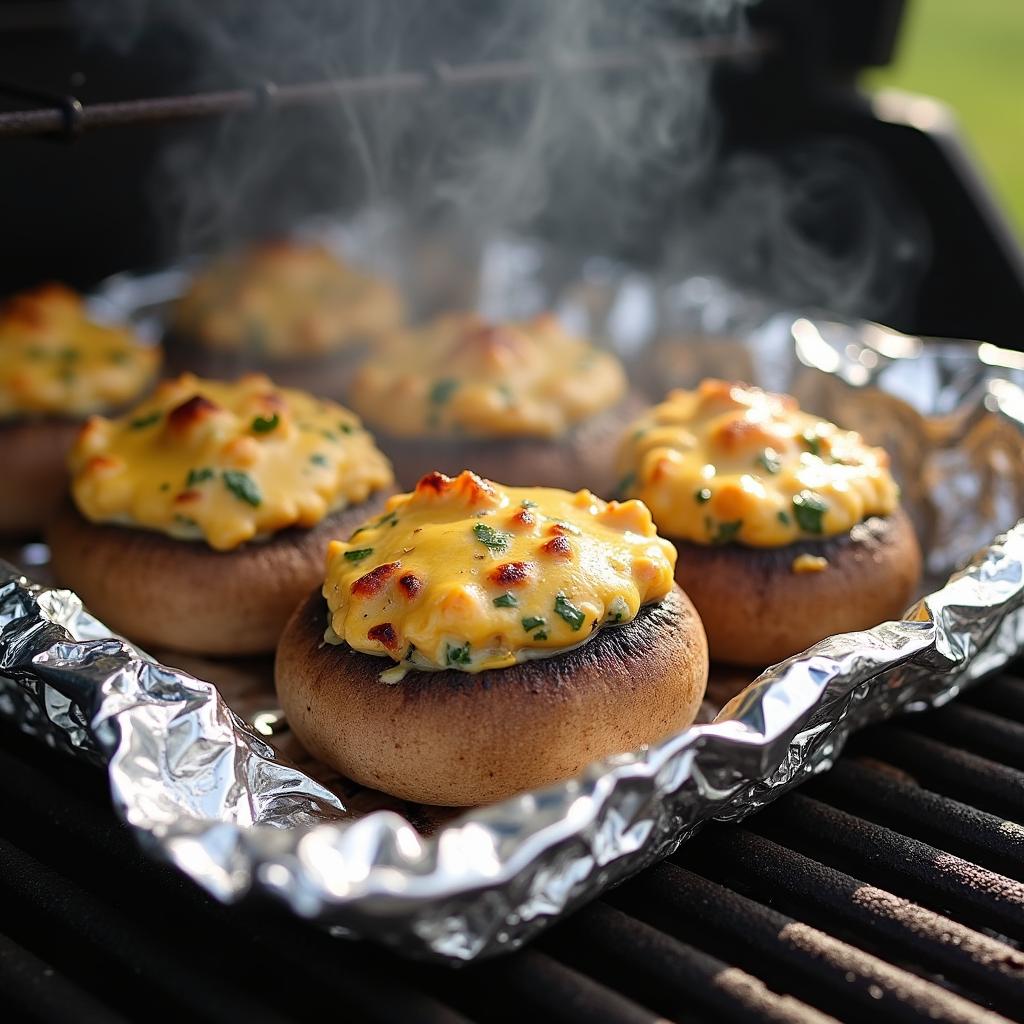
893,885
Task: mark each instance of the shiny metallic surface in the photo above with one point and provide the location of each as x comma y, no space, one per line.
207,792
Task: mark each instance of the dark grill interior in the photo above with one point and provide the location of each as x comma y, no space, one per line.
892,887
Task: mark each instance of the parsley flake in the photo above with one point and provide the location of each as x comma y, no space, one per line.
769,461
496,540
506,600
783,517
358,554
457,655
727,532
809,509
197,476
812,441
242,486
318,459
346,428
145,421
265,424
540,635
443,390
568,611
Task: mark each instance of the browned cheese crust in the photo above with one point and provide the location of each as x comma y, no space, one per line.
456,739
758,611
585,457
33,454
183,595
326,375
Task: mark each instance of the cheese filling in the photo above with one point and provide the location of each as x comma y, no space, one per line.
731,463
224,462
466,574
463,377
285,299
55,361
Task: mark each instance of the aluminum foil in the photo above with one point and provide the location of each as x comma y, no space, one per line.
202,787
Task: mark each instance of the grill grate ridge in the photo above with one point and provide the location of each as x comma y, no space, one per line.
891,886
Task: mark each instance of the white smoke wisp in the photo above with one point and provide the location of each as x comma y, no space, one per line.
599,162
819,225
598,148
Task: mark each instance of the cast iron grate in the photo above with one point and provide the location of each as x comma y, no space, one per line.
892,887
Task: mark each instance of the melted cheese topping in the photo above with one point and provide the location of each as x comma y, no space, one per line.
463,376
224,463
284,299
467,574
55,361
729,462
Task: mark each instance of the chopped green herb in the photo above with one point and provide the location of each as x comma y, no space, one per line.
506,601
727,532
145,421
330,435
569,612
388,519
165,486
783,517
809,509
616,610
443,390
540,635
197,476
638,434
358,554
410,652
265,424
506,392
242,486
703,496
318,459
531,622
118,358
812,441
346,428
526,503
624,485
187,521
496,540
769,461
457,655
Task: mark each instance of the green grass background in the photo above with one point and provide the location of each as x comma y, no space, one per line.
970,54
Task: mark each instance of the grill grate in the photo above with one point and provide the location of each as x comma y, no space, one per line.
892,886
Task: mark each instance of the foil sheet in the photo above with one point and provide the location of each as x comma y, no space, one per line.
203,788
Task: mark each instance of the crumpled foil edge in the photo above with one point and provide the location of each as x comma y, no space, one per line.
200,789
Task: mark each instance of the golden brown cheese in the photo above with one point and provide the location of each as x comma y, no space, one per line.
464,573
463,376
55,361
809,563
224,462
285,299
732,463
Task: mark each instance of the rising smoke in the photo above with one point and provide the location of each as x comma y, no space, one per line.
600,162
